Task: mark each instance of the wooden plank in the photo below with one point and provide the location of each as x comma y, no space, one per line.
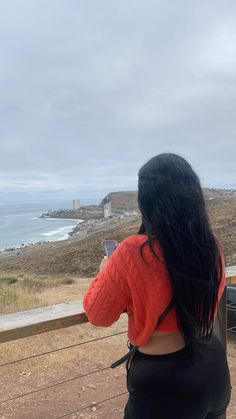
230,271
41,320
231,275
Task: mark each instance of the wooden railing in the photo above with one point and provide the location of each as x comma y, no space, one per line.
46,319
231,275
41,320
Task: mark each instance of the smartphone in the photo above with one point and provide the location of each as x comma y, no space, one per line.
109,246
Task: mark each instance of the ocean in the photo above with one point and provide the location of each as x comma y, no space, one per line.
20,224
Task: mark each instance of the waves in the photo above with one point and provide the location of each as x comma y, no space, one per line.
23,227
61,233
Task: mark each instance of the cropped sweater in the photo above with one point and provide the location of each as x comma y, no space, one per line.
140,285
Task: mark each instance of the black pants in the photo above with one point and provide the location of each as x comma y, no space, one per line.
181,385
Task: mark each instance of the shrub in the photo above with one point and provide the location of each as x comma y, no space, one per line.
8,280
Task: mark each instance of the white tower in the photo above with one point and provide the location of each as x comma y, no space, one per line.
76,204
107,209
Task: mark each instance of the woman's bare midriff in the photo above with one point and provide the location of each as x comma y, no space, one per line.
161,343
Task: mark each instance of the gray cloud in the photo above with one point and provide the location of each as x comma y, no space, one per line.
90,90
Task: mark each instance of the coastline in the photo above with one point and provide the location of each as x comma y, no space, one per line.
28,244
89,220
79,232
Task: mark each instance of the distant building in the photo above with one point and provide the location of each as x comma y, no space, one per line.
130,213
76,204
107,209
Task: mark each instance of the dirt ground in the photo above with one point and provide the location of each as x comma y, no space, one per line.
76,382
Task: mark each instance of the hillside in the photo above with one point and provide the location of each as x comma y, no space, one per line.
222,214
127,200
82,257
124,200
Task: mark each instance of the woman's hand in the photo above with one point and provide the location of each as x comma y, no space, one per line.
103,263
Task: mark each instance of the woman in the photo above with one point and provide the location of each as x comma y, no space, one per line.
169,278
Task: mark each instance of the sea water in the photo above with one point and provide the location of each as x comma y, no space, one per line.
20,224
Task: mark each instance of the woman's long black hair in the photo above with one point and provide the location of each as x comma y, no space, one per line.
173,212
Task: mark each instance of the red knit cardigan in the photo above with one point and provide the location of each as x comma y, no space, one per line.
139,284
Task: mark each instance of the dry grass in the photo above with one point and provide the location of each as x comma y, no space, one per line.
223,219
20,292
8,280
14,299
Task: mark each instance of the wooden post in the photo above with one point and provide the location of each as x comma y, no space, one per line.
220,327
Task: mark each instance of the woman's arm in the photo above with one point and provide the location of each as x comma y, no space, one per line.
108,295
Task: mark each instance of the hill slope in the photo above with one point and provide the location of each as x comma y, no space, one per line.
83,257
124,200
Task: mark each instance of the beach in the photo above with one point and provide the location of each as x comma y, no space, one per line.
21,225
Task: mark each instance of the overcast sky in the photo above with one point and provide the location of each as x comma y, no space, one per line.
89,90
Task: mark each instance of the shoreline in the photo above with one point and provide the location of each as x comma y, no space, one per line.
79,232
30,244
60,218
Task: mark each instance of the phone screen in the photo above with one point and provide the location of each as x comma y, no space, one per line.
109,246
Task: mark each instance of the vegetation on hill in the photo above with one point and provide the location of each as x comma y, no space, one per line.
125,200
82,257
